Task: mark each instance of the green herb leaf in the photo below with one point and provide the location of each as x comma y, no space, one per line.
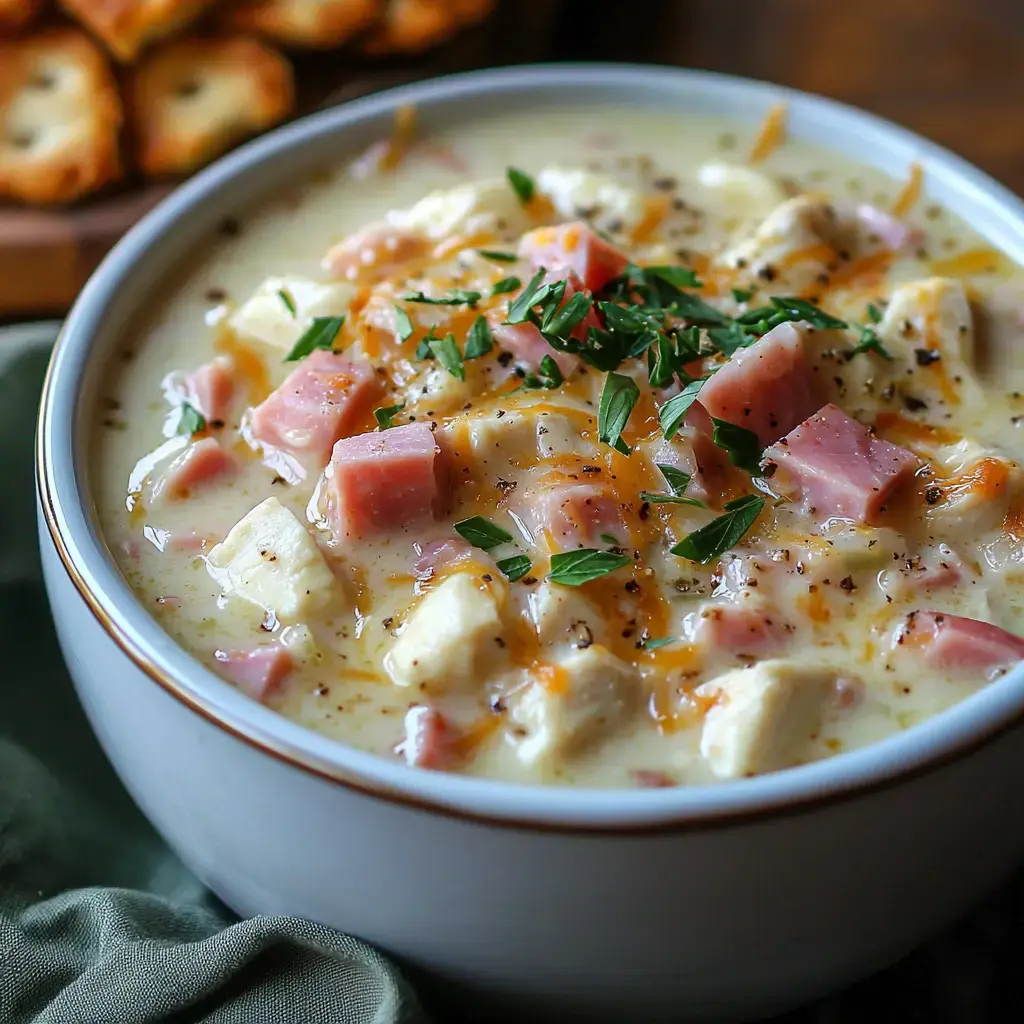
742,445
618,398
731,337
522,184
446,351
551,372
800,309
423,350
673,412
869,342
403,324
742,294
482,533
874,313
287,300
677,480
506,284
479,340
563,320
661,362
386,414
191,420
609,539
455,297
670,499
497,256
520,308
321,334
514,568
573,568
661,641
678,277
723,532
696,311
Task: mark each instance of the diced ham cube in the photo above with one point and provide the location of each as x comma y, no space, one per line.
258,673
837,468
383,480
375,252
441,553
322,400
211,387
742,629
429,739
890,231
956,642
571,516
200,464
767,388
574,247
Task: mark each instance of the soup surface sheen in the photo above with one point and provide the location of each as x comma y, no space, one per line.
734,490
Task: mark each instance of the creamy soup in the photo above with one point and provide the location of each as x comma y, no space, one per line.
587,446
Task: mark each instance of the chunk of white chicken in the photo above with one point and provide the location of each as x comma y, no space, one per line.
484,207
562,615
932,315
798,245
765,718
748,194
582,698
269,559
451,636
575,192
267,318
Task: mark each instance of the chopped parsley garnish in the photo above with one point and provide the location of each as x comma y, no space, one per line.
550,376
446,351
874,313
677,277
386,414
403,324
741,445
455,297
723,532
321,334
533,294
787,309
742,294
654,643
288,302
573,568
562,321
674,411
479,340
869,342
618,398
423,350
514,568
677,481
498,257
522,184
505,285
191,420
482,533
661,362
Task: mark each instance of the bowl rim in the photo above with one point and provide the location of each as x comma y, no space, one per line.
946,737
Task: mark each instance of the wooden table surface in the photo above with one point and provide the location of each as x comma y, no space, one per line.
949,69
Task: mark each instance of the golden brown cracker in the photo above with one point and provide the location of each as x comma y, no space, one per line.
60,118
310,24
192,99
128,26
16,14
411,26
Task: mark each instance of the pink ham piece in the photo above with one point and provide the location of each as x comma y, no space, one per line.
891,232
429,739
955,642
322,400
526,342
211,388
202,463
375,252
381,481
574,247
767,388
575,516
258,673
837,468
743,629
439,554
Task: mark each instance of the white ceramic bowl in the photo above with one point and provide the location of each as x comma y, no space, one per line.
704,902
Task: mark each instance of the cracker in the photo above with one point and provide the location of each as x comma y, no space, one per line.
310,24
60,118
16,14
411,26
192,99
128,26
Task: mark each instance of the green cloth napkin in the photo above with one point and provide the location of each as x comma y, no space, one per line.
99,922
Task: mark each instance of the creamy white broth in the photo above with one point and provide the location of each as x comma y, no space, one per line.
651,732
